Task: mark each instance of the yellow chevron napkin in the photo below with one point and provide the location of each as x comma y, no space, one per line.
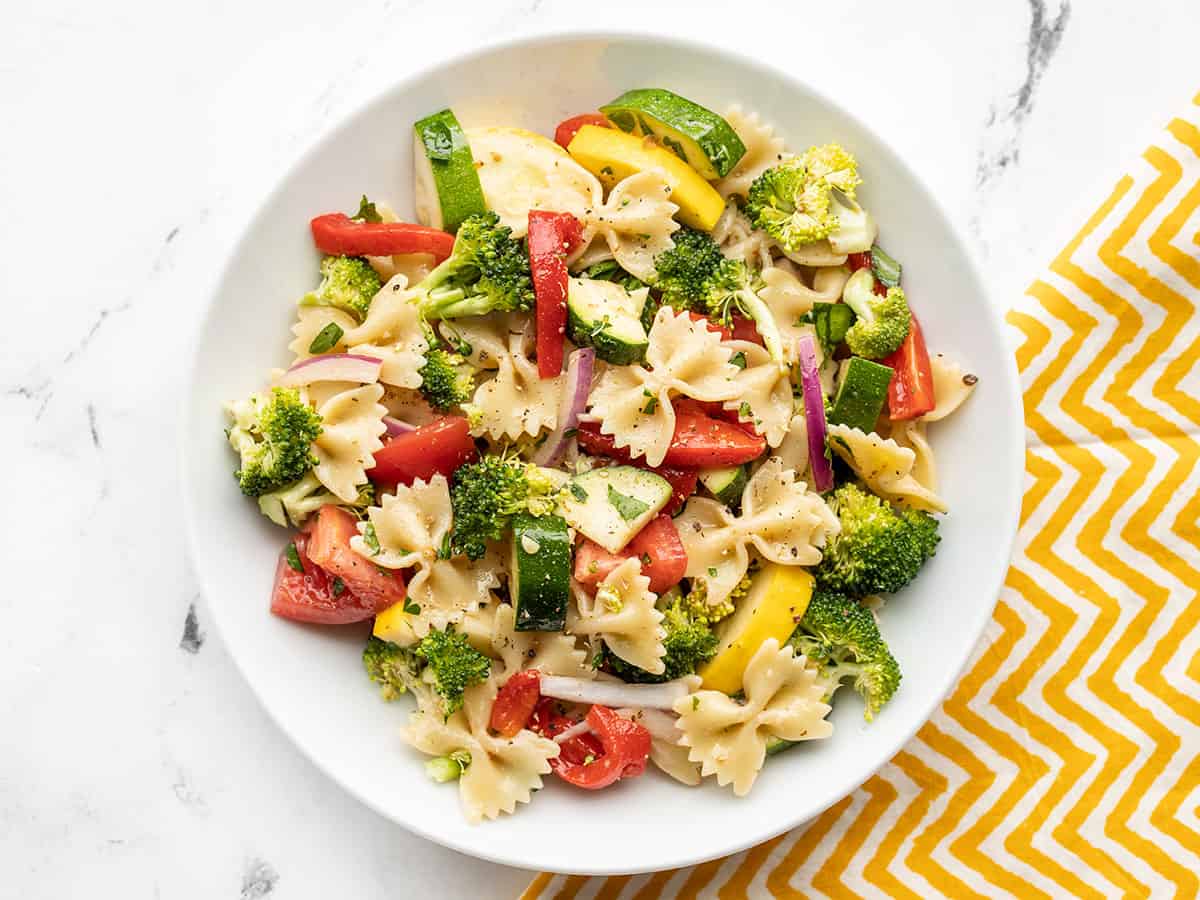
1067,761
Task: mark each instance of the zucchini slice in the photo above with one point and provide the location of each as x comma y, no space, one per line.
604,315
447,187
540,580
698,136
726,484
613,504
861,394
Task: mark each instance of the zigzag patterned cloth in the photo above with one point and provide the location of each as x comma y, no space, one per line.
1067,761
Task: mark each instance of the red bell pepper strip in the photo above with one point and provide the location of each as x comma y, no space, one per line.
910,393
567,128
624,747
702,441
551,237
437,448
657,545
515,702
338,235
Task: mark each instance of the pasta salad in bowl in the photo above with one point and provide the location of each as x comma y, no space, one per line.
606,458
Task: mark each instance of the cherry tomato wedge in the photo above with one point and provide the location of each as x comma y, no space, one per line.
339,235
308,594
664,560
744,329
624,744
566,129
515,702
725,333
702,441
858,261
329,547
548,721
910,393
551,237
437,448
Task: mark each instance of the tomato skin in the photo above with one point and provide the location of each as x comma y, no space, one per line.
658,542
437,448
551,237
515,702
566,129
702,441
329,547
339,235
910,393
858,261
625,746
549,722
308,596
744,329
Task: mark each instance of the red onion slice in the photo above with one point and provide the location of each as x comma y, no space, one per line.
814,414
580,365
333,367
615,694
395,426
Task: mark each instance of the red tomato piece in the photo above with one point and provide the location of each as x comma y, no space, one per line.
625,746
566,129
339,235
910,393
515,702
702,441
329,548
858,261
744,329
664,560
725,333
551,237
549,722
437,448
308,595
683,485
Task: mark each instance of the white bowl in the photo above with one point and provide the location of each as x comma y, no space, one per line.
310,679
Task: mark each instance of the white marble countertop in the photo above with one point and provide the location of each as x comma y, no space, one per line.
135,762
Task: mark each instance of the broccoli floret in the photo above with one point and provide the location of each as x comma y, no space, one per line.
879,549
486,494
292,504
795,202
273,434
694,275
395,669
696,604
882,323
348,283
689,643
487,270
842,638
454,664
447,379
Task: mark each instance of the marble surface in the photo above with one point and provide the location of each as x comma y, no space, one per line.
134,761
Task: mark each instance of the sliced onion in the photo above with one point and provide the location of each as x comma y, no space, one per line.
333,367
395,426
616,693
580,365
814,414
660,724
580,727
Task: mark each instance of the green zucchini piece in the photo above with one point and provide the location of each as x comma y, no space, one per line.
447,187
540,583
612,504
603,315
726,484
861,394
698,136
831,321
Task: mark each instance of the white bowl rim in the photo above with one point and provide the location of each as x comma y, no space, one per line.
533,39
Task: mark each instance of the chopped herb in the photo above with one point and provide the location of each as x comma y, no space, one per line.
738,359
607,170
326,338
371,539
338,587
712,572
695,703
651,405
628,508
570,432
413,609
645,558
745,411
367,211
437,139
444,550
293,558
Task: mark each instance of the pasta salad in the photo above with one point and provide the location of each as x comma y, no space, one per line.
618,448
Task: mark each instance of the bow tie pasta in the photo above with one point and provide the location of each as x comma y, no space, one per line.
547,651
622,613
517,401
885,466
632,226
783,699
764,398
351,425
502,771
763,150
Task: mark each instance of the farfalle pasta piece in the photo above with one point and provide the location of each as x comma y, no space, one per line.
780,518
408,529
551,652
622,614
633,403
503,771
632,226
951,387
783,699
885,466
910,433
738,239
764,398
517,401
792,452
351,429
763,150
789,298
818,254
